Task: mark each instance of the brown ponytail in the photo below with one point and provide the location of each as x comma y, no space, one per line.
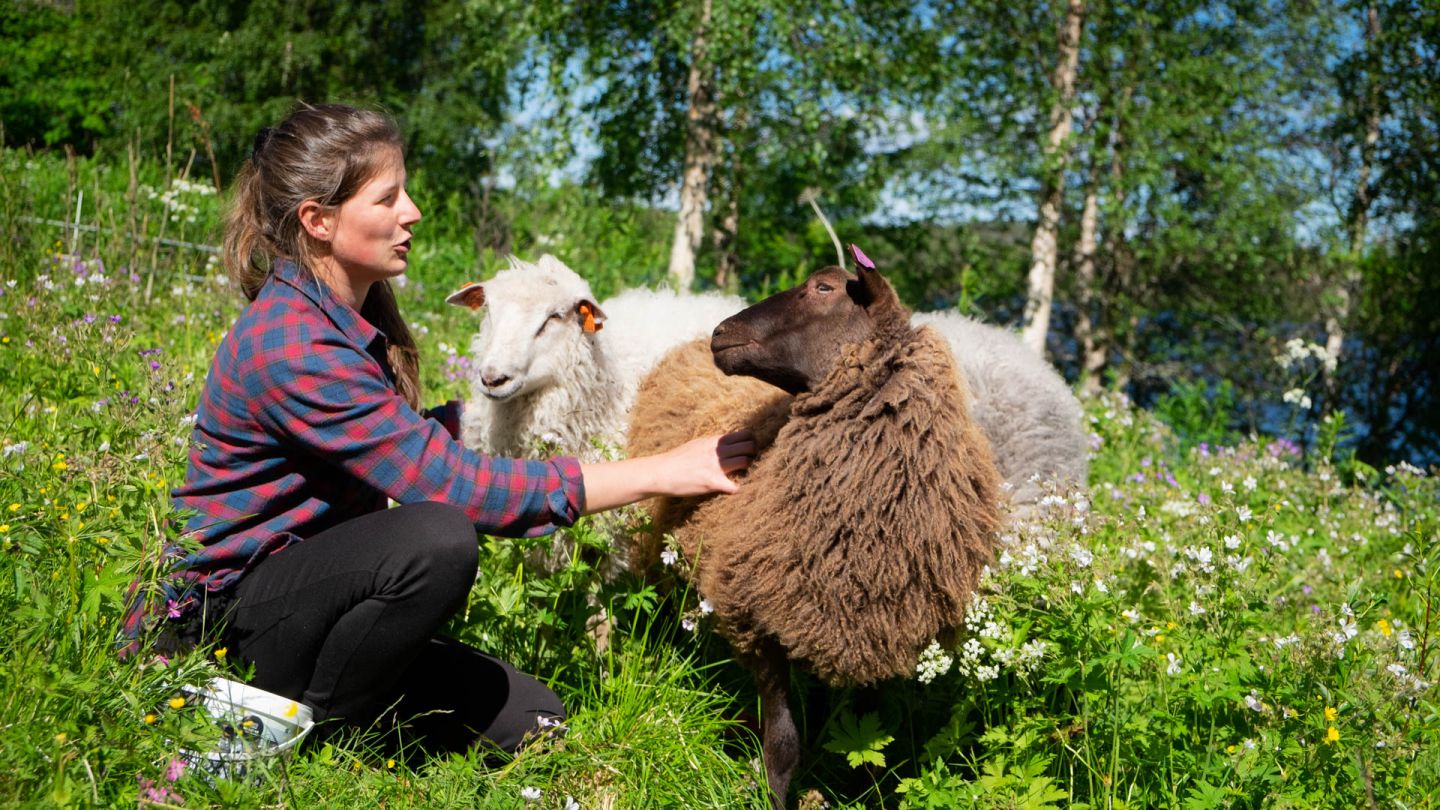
323,152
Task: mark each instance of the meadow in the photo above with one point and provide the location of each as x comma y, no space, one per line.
1217,621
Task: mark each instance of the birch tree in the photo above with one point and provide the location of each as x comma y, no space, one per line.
700,153
1365,75
1044,246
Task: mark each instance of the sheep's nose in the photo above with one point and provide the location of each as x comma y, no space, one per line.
495,381
721,329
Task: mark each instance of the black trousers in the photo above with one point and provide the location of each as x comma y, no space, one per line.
345,622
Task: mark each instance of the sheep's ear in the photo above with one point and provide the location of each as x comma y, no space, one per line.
471,295
874,289
592,319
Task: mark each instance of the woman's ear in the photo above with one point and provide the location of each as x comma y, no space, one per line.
317,220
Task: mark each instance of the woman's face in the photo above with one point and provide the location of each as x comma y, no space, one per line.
370,232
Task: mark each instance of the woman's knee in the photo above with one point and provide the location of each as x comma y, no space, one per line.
443,538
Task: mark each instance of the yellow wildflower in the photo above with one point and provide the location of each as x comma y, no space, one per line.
1171,625
1332,735
150,719
1399,574
1330,714
102,540
177,702
61,737
390,763
1384,628
14,507
1160,638
1230,749
220,653
293,709
4,527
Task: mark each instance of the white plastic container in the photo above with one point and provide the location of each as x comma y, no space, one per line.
254,725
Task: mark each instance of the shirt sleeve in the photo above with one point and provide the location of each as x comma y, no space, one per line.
332,400
447,415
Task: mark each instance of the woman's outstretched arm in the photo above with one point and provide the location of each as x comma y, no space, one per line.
698,467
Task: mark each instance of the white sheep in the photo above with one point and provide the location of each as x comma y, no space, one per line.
554,370
1023,406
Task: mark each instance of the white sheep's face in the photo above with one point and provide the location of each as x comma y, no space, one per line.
536,317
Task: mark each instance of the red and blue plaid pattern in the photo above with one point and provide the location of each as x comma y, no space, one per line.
300,428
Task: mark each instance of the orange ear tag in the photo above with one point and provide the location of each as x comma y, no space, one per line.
587,313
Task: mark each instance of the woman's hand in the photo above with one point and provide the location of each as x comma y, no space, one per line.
698,467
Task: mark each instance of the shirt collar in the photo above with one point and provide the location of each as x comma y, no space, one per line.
346,319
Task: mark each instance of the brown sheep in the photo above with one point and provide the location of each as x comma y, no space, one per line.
860,531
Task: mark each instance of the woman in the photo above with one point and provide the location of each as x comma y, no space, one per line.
308,422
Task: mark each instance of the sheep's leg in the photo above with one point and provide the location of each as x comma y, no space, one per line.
781,742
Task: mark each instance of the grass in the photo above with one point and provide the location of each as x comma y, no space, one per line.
1208,626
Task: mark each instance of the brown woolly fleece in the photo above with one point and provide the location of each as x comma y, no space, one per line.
859,534
685,396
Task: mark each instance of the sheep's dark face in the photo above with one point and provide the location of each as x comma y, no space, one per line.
793,338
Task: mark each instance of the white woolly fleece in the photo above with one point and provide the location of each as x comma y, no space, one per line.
1022,405
540,379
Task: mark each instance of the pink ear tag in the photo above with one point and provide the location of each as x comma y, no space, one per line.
860,258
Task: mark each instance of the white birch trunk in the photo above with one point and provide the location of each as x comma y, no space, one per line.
1092,352
1040,287
700,139
1349,282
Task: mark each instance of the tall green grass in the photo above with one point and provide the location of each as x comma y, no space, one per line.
1210,626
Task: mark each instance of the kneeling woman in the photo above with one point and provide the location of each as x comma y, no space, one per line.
309,422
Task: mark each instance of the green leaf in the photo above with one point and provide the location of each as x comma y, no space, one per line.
859,740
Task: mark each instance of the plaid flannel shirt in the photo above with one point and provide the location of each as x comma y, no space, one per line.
300,428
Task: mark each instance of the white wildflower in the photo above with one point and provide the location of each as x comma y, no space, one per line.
1243,512
1173,668
1082,556
1285,641
1131,615
1249,483
531,794
1253,703
1195,608
706,608
669,556
1232,541
934,662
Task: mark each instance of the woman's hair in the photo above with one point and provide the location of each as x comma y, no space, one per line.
325,153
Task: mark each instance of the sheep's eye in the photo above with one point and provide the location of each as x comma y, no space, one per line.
554,317
821,286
